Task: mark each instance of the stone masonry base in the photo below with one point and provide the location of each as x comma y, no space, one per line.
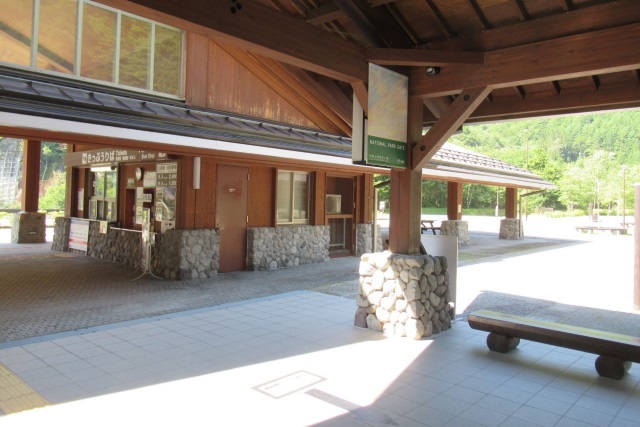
403,295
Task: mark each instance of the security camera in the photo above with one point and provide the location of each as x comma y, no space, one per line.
432,71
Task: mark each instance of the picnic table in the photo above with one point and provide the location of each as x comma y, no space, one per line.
427,224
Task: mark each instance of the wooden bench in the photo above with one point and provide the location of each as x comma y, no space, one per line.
427,224
591,228
615,352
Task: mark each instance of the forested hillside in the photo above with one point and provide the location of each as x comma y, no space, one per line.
586,156
52,174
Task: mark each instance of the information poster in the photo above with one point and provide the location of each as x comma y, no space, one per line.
81,199
139,204
79,234
167,184
388,115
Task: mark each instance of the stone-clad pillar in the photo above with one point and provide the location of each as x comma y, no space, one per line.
404,295
29,226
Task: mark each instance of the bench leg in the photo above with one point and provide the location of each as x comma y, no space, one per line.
501,343
612,367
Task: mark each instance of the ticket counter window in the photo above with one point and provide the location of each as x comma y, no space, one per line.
103,203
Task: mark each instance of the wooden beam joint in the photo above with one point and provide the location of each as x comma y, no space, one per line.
447,124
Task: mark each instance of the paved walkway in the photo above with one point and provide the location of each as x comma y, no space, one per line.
279,347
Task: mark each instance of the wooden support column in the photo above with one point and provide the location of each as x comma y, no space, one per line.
31,175
405,192
454,201
511,203
71,190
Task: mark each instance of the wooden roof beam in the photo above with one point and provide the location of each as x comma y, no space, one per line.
605,98
598,52
266,31
520,9
446,28
481,17
423,58
447,125
576,21
361,92
324,13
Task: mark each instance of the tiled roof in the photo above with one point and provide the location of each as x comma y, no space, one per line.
22,93
456,163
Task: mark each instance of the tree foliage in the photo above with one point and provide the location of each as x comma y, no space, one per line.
584,155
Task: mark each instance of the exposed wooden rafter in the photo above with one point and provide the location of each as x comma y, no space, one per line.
370,31
447,124
566,5
520,92
520,9
444,25
402,22
598,52
423,58
324,13
620,96
555,85
258,28
576,21
478,12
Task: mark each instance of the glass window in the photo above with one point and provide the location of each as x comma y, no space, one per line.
135,52
167,60
16,30
293,198
113,47
98,55
57,33
103,202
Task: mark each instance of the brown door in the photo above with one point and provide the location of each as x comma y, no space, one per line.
231,216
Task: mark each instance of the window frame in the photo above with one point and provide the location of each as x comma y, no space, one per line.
77,65
292,200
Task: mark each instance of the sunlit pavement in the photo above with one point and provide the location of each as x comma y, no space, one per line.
295,359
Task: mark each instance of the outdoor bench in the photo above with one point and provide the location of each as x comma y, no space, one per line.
427,224
615,351
591,228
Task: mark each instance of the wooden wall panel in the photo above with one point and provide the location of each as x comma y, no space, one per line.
196,80
262,188
234,88
320,190
186,197
205,198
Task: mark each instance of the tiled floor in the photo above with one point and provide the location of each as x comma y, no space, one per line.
295,359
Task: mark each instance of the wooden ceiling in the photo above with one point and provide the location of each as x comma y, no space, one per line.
508,59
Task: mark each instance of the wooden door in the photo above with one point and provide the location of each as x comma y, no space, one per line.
231,216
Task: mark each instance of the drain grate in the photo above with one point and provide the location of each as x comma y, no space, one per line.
289,384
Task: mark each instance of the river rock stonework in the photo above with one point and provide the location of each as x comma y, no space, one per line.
403,295
116,245
29,227
510,229
269,248
460,229
364,239
187,254
61,230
